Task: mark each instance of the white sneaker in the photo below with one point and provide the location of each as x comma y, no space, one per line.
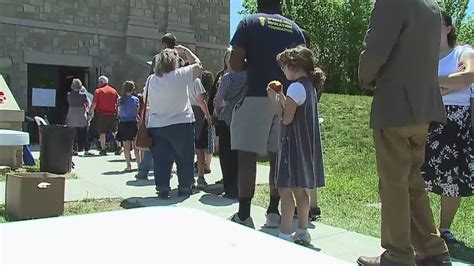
286,237
302,239
273,220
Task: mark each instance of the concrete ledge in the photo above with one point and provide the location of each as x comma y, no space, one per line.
57,59
12,115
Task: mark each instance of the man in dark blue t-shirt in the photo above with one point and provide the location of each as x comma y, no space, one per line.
254,129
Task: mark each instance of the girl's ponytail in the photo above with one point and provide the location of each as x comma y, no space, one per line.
318,77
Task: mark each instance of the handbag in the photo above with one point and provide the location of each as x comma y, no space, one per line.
143,138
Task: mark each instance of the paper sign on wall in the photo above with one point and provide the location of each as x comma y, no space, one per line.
43,97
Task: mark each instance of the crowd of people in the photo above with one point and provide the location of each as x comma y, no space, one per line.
255,115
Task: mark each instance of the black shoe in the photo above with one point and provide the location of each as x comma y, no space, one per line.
449,238
314,214
207,171
443,259
185,193
201,183
103,152
75,153
141,177
119,151
163,194
230,196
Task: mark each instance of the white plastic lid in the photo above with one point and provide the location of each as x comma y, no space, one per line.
13,138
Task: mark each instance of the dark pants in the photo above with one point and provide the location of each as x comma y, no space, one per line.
81,140
170,144
228,160
248,171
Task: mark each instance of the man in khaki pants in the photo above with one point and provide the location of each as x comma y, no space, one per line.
400,65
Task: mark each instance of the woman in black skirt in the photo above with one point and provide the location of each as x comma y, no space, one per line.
449,166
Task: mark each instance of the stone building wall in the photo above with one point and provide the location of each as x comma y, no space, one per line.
111,37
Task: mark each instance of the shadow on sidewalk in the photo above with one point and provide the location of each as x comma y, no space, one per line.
214,200
215,189
119,172
140,182
88,156
119,160
155,201
275,231
462,252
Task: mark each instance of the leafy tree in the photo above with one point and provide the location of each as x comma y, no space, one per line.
456,8
462,21
337,29
466,31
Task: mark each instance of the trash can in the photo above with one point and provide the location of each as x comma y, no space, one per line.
56,144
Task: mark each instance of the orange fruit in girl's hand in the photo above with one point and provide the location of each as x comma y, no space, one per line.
275,86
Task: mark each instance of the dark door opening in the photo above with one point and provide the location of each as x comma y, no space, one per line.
50,85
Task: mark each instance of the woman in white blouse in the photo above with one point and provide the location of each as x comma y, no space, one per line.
170,120
449,167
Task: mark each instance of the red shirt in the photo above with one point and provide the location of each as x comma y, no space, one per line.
105,99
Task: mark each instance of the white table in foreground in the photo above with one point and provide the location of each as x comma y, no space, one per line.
158,235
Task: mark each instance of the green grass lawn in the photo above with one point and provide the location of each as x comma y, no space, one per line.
36,168
86,206
351,179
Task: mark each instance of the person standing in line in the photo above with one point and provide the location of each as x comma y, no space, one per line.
171,118
146,158
399,64
448,170
77,117
231,90
197,97
104,106
254,128
300,156
213,92
168,41
207,80
314,209
128,106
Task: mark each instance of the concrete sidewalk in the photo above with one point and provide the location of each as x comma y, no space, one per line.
102,177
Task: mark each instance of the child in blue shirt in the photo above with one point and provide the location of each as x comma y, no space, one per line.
128,106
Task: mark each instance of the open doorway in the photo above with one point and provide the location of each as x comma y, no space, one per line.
48,87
